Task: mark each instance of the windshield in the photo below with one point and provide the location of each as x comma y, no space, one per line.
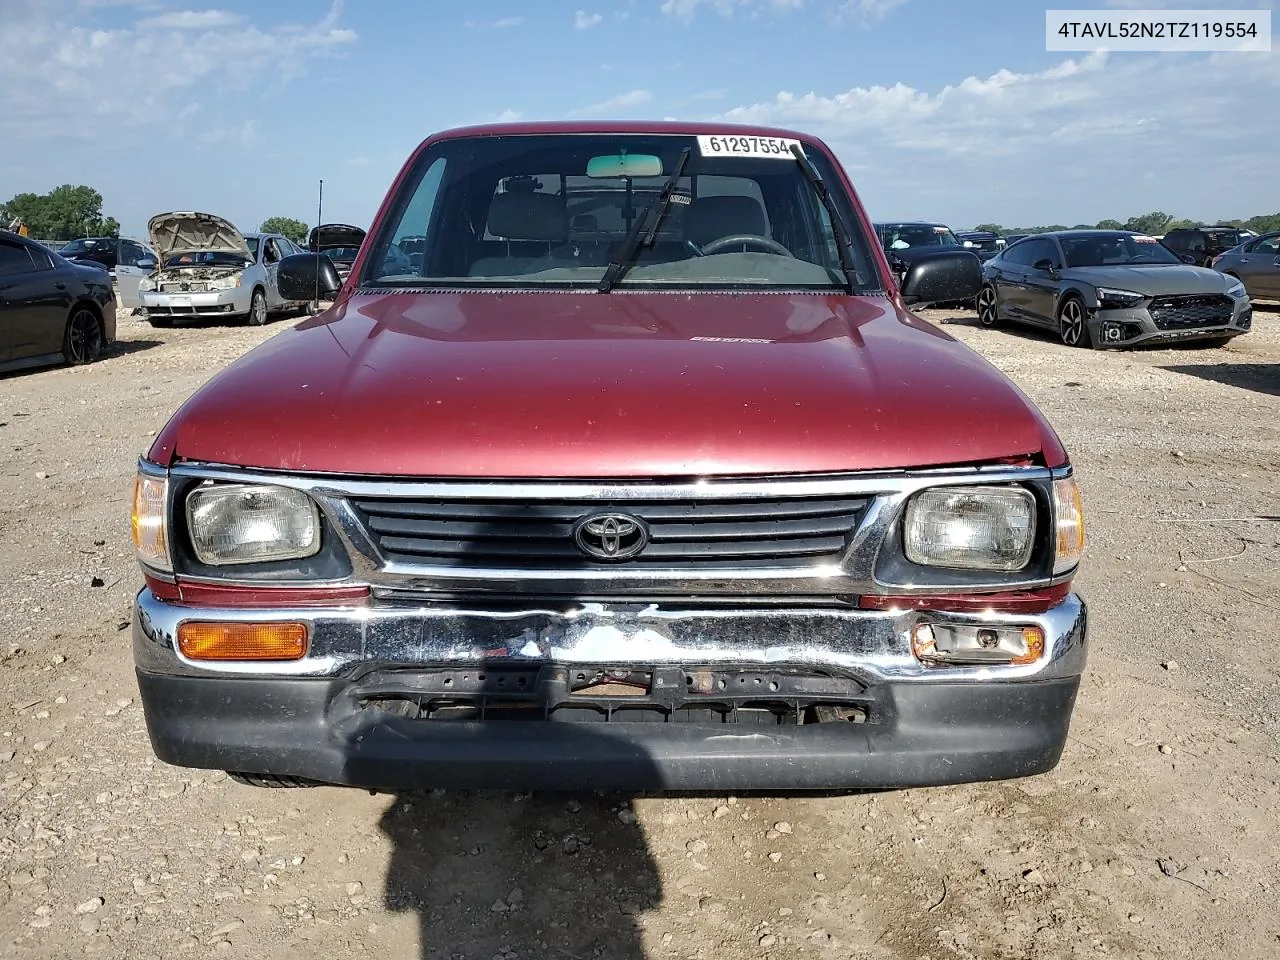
86,245
1106,250
340,253
553,210
205,258
905,236
985,244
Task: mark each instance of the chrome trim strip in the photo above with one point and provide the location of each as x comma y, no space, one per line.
872,645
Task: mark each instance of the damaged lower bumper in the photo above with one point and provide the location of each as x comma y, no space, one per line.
211,303
610,697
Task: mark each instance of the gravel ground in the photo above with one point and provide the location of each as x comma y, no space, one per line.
1155,837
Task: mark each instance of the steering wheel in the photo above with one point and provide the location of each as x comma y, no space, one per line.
746,239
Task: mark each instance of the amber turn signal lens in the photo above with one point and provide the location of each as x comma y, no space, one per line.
150,495
1068,524
242,641
1033,638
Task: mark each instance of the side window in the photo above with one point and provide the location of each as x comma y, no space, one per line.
1020,253
1268,247
272,251
408,242
40,259
1175,241
127,254
14,258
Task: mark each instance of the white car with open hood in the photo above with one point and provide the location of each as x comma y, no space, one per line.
208,268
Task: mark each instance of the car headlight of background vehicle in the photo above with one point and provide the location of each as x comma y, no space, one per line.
973,528
252,523
226,283
146,284
1110,298
1235,288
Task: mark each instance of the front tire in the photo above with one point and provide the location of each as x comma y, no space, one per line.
258,309
269,781
1073,324
160,323
988,315
82,341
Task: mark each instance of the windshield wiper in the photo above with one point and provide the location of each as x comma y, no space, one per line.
843,241
639,236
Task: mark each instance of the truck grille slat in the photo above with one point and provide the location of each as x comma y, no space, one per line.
540,534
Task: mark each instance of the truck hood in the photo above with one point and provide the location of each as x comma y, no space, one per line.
1152,281
187,232
580,385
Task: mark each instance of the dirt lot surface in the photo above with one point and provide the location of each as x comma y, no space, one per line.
1157,835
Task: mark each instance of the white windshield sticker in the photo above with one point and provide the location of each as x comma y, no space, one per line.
771,148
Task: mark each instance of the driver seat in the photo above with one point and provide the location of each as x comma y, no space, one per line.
710,218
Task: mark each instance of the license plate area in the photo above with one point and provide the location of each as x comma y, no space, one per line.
594,694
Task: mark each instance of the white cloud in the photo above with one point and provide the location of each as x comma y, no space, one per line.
501,24
1072,143
64,71
191,20
242,134
869,11
507,116
685,9
632,98
585,21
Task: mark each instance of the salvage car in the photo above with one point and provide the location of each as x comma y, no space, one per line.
339,241
907,243
1256,264
128,261
1199,245
209,268
699,505
1110,288
985,244
51,310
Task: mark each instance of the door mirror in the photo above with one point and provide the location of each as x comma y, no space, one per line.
1188,258
1045,264
146,263
307,276
942,277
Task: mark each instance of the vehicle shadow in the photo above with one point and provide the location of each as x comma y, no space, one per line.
121,348
520,875
1258,377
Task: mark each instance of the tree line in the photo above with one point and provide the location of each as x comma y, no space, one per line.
1156,223
64,213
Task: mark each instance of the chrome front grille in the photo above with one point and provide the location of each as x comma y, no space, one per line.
1190,312
529,535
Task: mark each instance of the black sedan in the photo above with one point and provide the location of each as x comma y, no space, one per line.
51,310
1110,288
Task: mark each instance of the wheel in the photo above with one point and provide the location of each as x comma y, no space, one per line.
82,343
1072,325
269,780
258,309
160,323
987,314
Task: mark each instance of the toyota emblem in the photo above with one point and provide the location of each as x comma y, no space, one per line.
611,536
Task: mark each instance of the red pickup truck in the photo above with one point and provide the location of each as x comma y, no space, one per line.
630,469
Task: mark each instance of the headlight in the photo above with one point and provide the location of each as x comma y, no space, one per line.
244,523
150,528
225,283
975,528
1235,288
1109,298
146,284
1068,513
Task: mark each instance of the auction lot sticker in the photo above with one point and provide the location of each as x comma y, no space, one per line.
769,148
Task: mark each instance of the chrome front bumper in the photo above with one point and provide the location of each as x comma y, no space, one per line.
874,646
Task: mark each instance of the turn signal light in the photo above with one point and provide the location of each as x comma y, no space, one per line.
976,644
199,640
150,496
1068,512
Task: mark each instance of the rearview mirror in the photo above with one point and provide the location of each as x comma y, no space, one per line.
307,276
942,277
625,165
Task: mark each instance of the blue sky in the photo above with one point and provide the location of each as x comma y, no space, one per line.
939,109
